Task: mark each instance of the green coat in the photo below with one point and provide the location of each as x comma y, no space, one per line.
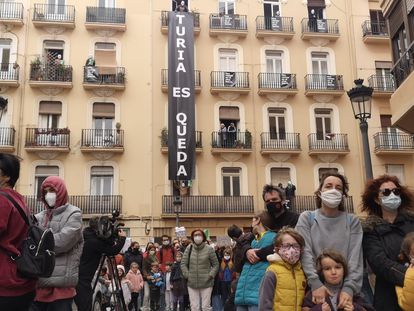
202,266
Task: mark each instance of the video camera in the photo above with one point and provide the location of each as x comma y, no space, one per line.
108,227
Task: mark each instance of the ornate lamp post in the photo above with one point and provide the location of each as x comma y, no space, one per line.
177,203
360,97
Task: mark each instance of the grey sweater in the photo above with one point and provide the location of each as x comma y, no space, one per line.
343,234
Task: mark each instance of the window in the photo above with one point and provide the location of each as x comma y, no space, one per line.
377,22
271,8
231,181
226,7
228,60
324,170
106,3
56,7
277,126
176,2
103,123
323,120
280,175
316,9
41,173
229,115
396,170
274,60
319,63
51,51
105,54
102,178
5,46
49,114
389,136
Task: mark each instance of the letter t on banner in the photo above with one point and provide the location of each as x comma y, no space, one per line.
181,110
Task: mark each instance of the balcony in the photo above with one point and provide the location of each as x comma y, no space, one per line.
317,84
45,15
90,205
320,29
229,82
107,19
164,22
383,85
225,25
11,13
164,141
207,206
375,32
402,105
9,75
54,140
50,76
331,144
164,81
111,141
100,77
274,27
277,83
237,142
280,143
393,143
7,135
301,203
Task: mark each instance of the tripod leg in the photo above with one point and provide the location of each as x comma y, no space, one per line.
117,286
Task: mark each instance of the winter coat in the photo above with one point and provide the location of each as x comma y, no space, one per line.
406,294
177,280
202,266
240,249
166,254
132,256
136,281
146,265
247,292
382,244
66,224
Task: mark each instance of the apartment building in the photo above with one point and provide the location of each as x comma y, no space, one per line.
87,90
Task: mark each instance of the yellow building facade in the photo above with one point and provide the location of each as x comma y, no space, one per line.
87,90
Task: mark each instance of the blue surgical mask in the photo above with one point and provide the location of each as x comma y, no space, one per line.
391,203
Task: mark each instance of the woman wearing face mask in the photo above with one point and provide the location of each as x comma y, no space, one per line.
390,217
331,227
199,266
65,220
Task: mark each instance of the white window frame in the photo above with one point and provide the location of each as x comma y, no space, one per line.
228,55
277,57
107,3
100,182
324,117
226,6
274,3
231,176
391,169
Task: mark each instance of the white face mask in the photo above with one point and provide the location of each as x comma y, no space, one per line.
50,199
227,257
165,243
198,239
391,203
331,198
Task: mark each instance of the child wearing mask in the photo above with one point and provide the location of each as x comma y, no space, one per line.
155,281
177,283
406,294
168,293
283,286
137,283
226,275
332,269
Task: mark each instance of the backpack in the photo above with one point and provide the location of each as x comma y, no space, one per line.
37,256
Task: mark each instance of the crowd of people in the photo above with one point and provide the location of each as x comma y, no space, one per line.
322,259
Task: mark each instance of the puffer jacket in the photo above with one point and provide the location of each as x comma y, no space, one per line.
406,294
202,266
247,292
381,244
66,224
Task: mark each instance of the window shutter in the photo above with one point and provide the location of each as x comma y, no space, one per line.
395,20
383,65
229,113
385,121
47,170
316,3
50,107
104,110
410,5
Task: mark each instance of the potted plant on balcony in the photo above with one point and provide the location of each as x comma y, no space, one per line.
35,68
164,137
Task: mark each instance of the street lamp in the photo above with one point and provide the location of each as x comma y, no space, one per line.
360,97
177,203
3,105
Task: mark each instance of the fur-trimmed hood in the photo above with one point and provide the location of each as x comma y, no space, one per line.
373,221
273,258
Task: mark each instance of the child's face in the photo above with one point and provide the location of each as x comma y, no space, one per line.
178,258
332,271
289,250
155,268
168,268
120,272
134,269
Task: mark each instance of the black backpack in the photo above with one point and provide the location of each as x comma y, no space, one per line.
37,256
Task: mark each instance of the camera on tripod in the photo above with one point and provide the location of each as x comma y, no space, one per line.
108,227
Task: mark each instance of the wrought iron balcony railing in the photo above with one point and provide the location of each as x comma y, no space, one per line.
9,72
301,203
99,138
54,13
105,15
48,137
50,72
328,142
374,28
164,19
11,11
164,78
209,204
276,24
89,204
230,79
328,26
7,136
280,141
393,141
404,66
231,140
104,75
382,83
324,82
277,80
229,22
164,139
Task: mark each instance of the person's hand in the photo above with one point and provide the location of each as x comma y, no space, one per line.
121,233
252,257
326,307
318,295
344,299
349,306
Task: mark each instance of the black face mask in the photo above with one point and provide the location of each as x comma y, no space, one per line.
274,208
135,250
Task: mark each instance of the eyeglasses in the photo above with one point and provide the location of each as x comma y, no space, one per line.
287,246
277,200
386,192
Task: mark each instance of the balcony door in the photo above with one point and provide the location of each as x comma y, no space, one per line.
323,120
384,79
326,170
320,70
280,175
5,47
106,3
102,179
277,127
231,181
228,66
56,9
226,7
103,124
49,118
175,3
41,173
389,134
377,19
274,68
53,52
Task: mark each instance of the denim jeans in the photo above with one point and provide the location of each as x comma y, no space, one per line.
247,308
